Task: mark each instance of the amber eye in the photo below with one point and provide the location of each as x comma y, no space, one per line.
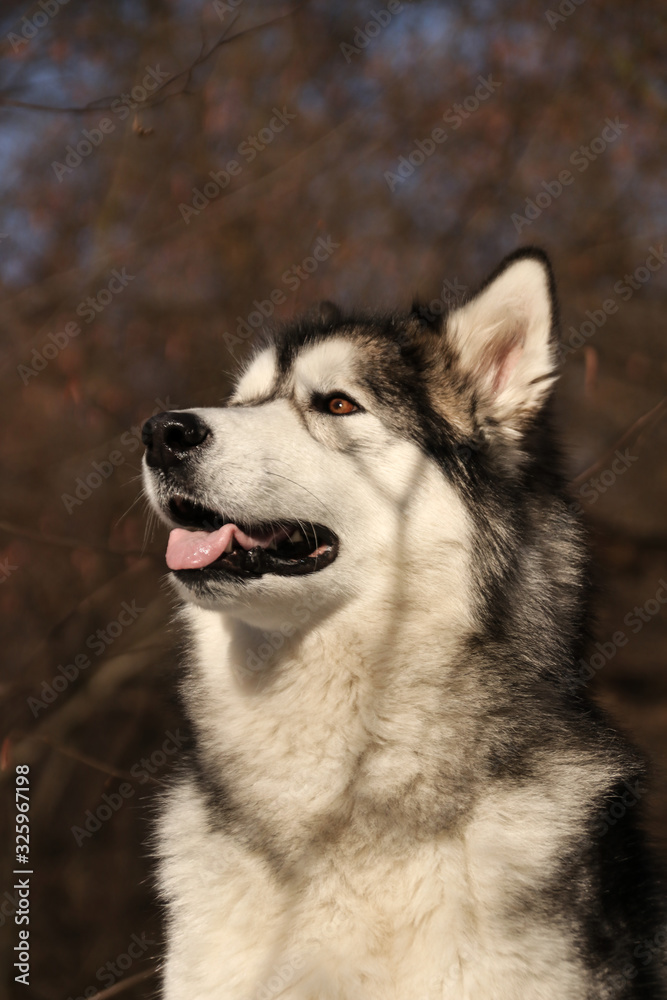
339,406
335,403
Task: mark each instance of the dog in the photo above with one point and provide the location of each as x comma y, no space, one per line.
396,786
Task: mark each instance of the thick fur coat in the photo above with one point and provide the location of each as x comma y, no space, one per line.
396,787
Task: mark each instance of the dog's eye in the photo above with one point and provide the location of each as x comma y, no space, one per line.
335,403
340,405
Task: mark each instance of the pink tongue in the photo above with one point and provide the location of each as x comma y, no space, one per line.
194,549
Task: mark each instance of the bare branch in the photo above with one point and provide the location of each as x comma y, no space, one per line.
83,758
104,103
125,984
63,541
643,423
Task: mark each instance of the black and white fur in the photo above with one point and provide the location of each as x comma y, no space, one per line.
396,788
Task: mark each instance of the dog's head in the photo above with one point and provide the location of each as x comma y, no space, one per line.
353,454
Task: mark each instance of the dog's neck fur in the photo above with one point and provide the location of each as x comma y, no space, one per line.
343,702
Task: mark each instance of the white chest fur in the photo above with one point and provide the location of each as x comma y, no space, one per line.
432,922
311,901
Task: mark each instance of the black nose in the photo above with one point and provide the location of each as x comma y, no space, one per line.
170,437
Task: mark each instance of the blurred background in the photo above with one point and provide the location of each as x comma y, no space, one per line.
177,174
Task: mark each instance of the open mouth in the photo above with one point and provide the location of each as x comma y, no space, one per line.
208,542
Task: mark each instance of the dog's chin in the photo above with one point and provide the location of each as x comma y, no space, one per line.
222,590
217,591
267,602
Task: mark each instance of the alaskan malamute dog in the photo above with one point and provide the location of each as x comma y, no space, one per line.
398,789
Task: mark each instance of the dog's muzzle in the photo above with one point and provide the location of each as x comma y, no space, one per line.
172,437
204,542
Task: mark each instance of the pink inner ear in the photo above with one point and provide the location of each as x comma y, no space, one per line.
505,360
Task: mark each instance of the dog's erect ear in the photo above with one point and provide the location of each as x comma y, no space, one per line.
504,339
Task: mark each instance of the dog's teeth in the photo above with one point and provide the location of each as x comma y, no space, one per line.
272,544
296,536
230,544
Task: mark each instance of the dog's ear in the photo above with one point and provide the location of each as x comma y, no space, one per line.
504,339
